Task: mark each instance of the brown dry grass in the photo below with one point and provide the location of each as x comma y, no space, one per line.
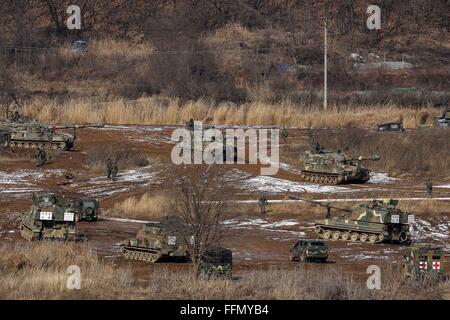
425,206
157,110
147,205
38,271
410,153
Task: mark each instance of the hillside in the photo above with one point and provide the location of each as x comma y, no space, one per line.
226,52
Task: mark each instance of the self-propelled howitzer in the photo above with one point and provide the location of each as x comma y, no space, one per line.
322,166
374,222
32,135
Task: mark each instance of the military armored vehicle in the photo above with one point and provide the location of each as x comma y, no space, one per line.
217,262
444,120
154,243
309,250
34,135
379,221
50,218
229,149
322,166
86,209
423,258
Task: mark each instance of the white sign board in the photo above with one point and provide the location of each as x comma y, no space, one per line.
395,218
172,240
411,218
46,215
69,216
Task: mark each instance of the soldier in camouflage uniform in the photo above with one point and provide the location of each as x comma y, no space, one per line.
429,186
114,170
284,134
190,124
41,157
263,203
108,168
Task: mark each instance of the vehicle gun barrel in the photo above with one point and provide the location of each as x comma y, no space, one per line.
78,126
328,205
361,158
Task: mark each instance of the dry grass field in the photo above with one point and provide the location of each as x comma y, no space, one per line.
39,271
159,110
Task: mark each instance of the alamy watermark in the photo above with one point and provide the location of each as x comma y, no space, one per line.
374,280
74,279
210,146
374,20
74,20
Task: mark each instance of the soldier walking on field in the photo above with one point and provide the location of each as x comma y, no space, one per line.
328,214
263,203
41,157
429,186
108,168
284,134
114,170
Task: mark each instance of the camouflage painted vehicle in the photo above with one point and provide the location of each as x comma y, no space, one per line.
86,209
322,166
154,243
444,120
423,259
309,250
32,135
228,147
379,221
50,218
217,262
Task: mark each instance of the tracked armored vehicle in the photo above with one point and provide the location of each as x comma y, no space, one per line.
154,243
328,167
375,222
201,142
50,218
32,135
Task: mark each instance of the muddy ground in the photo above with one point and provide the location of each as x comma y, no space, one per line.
258,240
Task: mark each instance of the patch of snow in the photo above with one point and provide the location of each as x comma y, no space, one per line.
276,185
125,220
381,177
263,224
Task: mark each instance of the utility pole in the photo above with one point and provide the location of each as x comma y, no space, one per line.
325,69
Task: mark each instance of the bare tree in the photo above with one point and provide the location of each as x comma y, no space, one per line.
199,205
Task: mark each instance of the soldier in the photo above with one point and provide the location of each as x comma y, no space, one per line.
263,203
316,147
284,134
108,167
429,186
50,134
114,170
41,157
16,116
328,214
190,124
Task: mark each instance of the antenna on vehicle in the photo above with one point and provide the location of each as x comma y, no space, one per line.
325,69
